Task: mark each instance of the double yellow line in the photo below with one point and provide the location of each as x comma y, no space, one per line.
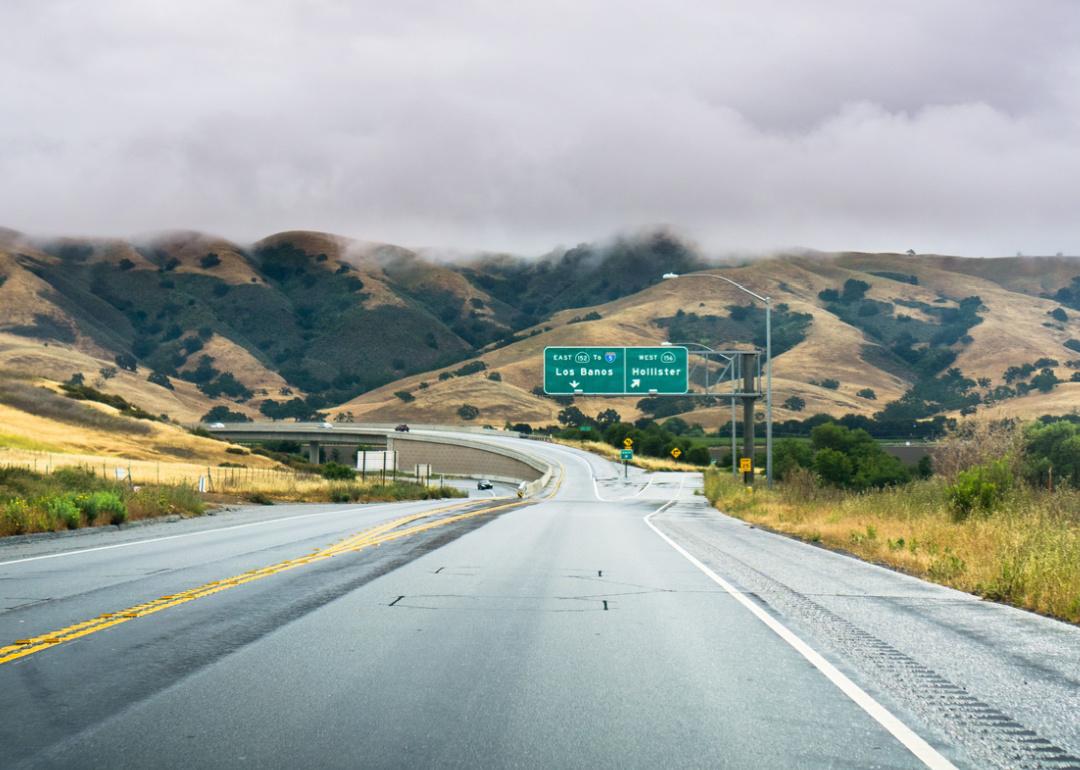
373,536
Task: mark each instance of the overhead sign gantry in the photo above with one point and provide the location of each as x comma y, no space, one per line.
622,371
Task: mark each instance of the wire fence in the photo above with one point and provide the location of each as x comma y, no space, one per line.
145,472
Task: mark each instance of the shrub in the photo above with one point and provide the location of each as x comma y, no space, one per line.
789,454
337,472
830,384
852,459
698,455
101,504
868,394
1052,448
17,516
341,495
405,395
833,467
153,501
259,498
61,509
795,403
210,260
979,489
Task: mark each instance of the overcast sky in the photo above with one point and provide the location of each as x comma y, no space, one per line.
947,125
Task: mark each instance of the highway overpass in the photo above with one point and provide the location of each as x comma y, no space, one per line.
454,452
604,623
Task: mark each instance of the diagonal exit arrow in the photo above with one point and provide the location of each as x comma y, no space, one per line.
635,383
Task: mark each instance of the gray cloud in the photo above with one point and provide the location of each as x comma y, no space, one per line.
947,126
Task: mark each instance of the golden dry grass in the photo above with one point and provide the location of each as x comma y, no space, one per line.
276,483
262,472
230,357
1027,554
162,443
57,363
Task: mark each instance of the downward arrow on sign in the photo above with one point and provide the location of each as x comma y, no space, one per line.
574,383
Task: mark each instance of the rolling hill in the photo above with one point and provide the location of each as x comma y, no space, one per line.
304,322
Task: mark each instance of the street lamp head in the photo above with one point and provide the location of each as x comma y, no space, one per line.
666,343
669,275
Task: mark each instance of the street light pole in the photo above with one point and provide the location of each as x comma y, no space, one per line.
768,361
768,392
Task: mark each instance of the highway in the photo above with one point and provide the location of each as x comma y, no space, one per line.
606,623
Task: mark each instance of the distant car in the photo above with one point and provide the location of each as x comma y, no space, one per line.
327,425
217,425
484,484
403,428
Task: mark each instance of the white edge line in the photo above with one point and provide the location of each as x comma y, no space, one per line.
926,753
185,534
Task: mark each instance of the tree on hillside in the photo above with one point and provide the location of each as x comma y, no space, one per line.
160,378
854,290
224,414
572,417
607,417
125,361
468,412
795,403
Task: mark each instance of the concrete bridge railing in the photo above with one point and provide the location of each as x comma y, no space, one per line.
456,455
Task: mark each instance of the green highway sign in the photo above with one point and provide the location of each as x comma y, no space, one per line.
615,371
626,454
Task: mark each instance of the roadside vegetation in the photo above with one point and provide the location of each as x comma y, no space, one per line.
999,516
71,497
651,441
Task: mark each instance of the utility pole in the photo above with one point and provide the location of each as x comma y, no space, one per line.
748,398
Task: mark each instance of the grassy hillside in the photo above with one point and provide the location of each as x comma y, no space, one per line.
303,322
905,331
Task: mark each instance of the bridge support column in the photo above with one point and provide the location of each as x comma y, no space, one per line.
313,452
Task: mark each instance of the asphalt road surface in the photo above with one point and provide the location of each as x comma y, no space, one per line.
611,623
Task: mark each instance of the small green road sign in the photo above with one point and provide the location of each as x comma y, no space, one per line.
615,371
626,454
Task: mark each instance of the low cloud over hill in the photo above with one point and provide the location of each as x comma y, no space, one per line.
304,322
